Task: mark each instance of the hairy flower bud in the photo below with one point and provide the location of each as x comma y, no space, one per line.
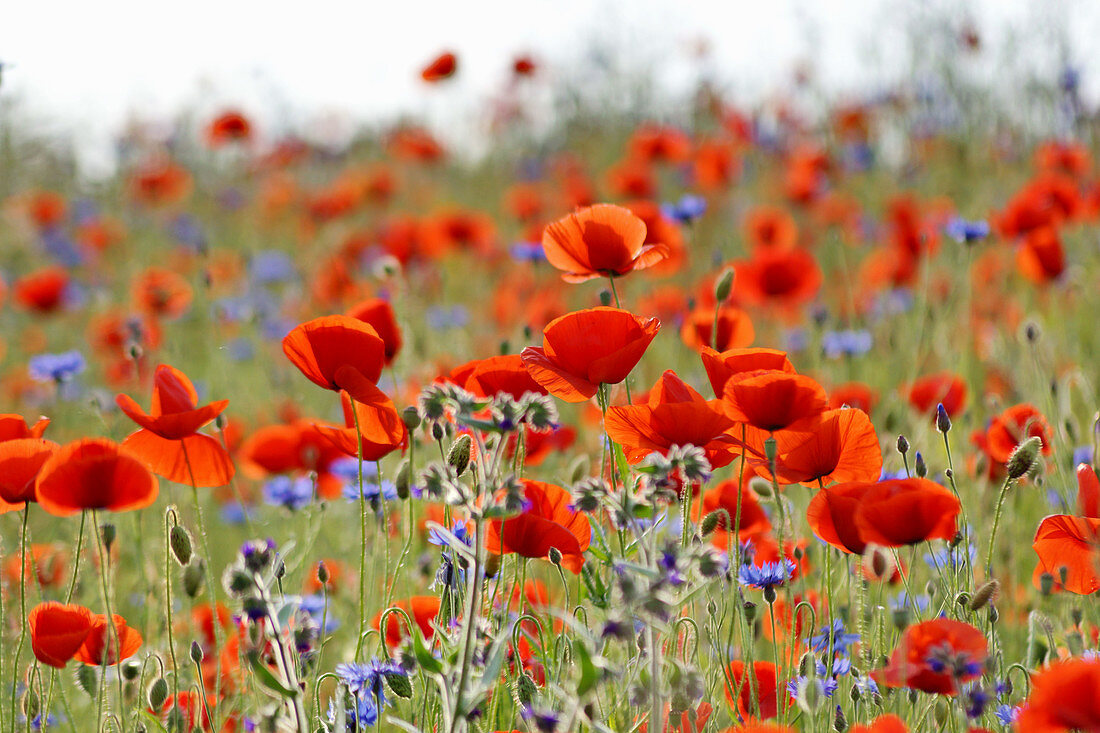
459,455
1024,457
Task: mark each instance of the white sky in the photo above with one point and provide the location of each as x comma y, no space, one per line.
82,68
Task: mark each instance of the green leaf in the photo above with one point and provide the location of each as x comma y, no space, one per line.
589,674
152,720
424,657
267,679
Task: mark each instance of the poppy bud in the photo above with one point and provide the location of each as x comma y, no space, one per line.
555,556
87,679
710,522
1024,457
403,479
32,705
505,348
579,468
943,422
963,599
761,488
525,690
175,720
724,285
1076,643
605,297
941,712
131,668
919,466
492,566
527,333
193,575
459,455
196,653
771,450
438,432
107,534
1046,584
901,617
986,593
399,684
903,445
411,418
180,542
158,693
1032,332
809,695
750,611
1063,573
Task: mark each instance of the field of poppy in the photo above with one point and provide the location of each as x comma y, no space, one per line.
748,421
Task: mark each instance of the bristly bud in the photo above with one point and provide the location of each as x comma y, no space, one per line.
919,466
32,705
180,542
403,479
193,576
555,556
107,534
1063,574
158,693
196,653
459,454
87,679
724,286
750,611
840,723
399,684
1024,457
986,593
903,444
605,297
710,522
994,614
411,418
943,422
322,573
901,618
1046,584
438,431
525,690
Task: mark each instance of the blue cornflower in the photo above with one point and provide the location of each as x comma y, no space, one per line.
766,576
372,491
846,343
61,247
234,513
56,367
293,493
795,340
686,210
346,468
887,475
440,317
187,231
528,252
841,639
459,530
964,231
314,605
902,602
950,558
1007,714
826,686
366,682
272,266
1082,454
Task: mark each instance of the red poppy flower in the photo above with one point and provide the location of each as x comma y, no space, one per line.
720,366
661,230
229,126
888,723
831,515
116,331
58,631
1069,544
936,656
496,375
378,313
754,520
442,67
1041,258
524,66
160,181
380,426
907,511
599,241
771,228
99,646
587,348
161,292
675,414
946,388
1088,491
682,722
853,394
422,610
328,350
769,401
715,165
20,462
1064,697
835,446
787,278
735,329
294,448
14,427
42,291
174,413
46,208
202,617
764,681
1014,426
659,143
94,473
548,523
45,563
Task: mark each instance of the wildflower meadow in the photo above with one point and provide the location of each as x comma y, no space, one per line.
728,417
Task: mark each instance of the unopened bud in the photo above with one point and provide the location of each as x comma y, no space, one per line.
605,297
943,422
193,576
919,466
710,522
180,542
903,444
724,286
1024,457
1046,584
32,705
438,432
411,418
399,684
525,690
403,479
131,668
196,653
107,534
459,455
322,573
750,611
555,556
986,593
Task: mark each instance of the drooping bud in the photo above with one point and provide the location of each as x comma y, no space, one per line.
403,479
710,522
525,690
724,286
986,593
180,542
399,684
193,576
459,455
158,693
1024,457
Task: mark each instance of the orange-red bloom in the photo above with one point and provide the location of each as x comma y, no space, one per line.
946,388
837,445
441,67
229,126
380,428
587,348
720,366
20,462
174,413
1069,545
99,647
378,313
14,427
58,631
94,473
422,610
1012,427
600,241
785,278
1064,697
1088,491
161,292
831,515
765,681
735,329
675,414
329,350
547,523
42,291
907,511
936,656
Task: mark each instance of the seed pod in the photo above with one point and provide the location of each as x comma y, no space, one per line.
411,418
180,542
724,286
158,693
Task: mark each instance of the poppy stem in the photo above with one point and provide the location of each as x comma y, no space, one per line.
76,557
22,612
996,523
362,532
171,512
104,554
